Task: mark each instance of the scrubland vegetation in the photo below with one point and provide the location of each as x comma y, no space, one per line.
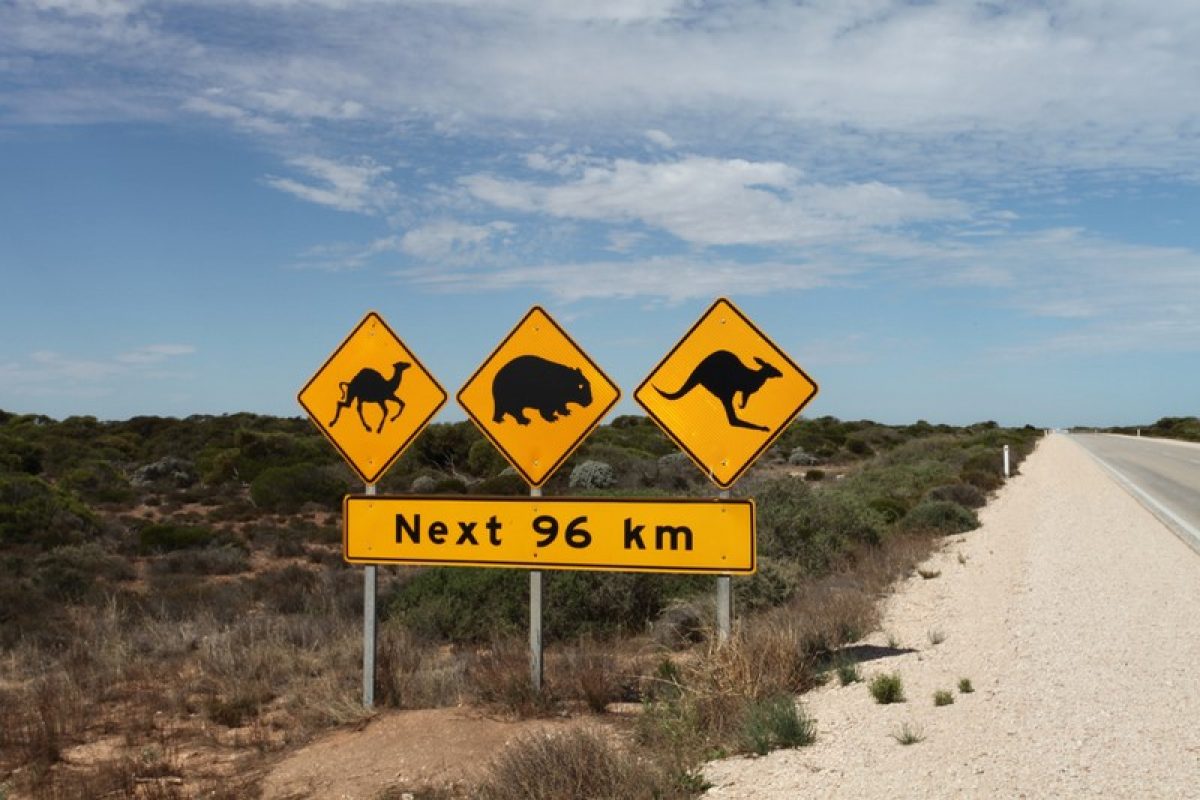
1185,428
175,612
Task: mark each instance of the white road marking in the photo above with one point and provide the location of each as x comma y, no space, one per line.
1174,521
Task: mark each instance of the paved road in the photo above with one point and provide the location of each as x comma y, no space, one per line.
1164,475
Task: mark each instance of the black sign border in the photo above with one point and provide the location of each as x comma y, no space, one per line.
770,439
371,479
567,453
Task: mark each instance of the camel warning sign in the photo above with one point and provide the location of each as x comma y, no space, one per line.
725,392
371,397
537,396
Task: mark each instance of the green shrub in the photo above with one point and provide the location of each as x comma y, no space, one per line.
943,697
964,494
484,460
165,536
34,512
940,517
503,484
71,572
462,604
984,481
774,723
964,686
815,529
98,481
887,688
593,475
286,489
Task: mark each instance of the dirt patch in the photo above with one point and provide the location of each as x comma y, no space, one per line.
402,750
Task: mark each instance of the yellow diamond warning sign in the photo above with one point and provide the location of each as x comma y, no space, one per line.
725,392
537,396
371,397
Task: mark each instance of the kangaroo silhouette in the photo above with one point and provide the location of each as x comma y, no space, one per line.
724,375
368,386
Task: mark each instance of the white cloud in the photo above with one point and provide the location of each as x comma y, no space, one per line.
661,138
45,372
448,239
358,187
712,201
672,280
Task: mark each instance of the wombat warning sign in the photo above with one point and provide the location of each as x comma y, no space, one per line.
537,396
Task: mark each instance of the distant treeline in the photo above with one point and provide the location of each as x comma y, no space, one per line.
1185,428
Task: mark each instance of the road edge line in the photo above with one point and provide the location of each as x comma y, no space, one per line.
1172,521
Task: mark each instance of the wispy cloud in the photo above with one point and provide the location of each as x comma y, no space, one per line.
360,187
712,201
47,372
670,280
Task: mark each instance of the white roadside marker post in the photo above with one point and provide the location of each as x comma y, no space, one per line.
1005,461
535,619
369,637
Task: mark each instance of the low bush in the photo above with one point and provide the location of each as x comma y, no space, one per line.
287,489
774,723
887,688
964,494
939,517
592,475
165,537
221,560
572,765
34,512
462,604
814,529
74,572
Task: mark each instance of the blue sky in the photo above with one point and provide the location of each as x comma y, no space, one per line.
941,210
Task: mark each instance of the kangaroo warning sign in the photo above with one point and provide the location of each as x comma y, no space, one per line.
613,534
725,392
371,397
537,396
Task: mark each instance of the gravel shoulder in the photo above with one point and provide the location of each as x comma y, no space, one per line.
1075,614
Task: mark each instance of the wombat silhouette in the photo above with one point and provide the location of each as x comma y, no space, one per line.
368,386
534,382
724,375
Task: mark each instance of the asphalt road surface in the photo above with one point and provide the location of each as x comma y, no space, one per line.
1164,475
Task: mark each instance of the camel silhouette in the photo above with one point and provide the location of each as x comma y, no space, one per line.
724,375
368,386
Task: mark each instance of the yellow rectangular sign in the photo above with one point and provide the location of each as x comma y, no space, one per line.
609,534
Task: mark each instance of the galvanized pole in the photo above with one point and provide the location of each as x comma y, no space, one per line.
535,619
724,598
1006,461
369,628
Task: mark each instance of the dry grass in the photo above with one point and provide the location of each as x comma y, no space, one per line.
580,763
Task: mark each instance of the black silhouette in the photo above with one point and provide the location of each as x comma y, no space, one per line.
533,382
368,386
724,375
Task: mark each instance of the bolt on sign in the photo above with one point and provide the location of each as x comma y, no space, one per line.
537,396
371,397
725,392
601,534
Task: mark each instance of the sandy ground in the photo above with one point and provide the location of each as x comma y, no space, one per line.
1076,615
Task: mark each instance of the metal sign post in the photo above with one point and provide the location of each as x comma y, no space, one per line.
369,637
535,619
724,598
